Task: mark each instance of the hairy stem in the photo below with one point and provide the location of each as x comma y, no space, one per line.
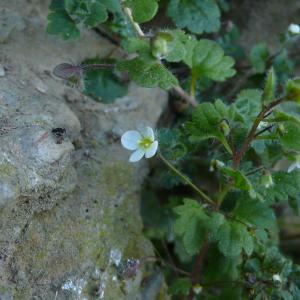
195,275
134,24
238,155
177,89
182,93
188,181
97,66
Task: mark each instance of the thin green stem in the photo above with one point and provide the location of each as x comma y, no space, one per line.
193,86
187,180
135,25
224,192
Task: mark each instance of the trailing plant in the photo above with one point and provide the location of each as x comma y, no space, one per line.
212,210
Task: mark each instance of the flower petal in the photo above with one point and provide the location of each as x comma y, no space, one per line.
136,155
293,166
148,133
130,139
152,150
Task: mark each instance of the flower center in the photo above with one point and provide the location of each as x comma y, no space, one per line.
145,143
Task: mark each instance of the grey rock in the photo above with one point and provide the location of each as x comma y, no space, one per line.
9,21
69,210
2,71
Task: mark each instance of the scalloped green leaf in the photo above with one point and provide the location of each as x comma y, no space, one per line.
90,13
289,138
240,180
207,59
286,185
148,73
142,10
103,85
60,23
191,225
259,56
233,238
255,213
197,16
206,123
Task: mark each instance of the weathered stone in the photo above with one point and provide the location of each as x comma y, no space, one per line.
9,21
264,21
2,71
70,226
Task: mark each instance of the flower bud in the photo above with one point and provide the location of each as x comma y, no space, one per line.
215,164
159,45
281,129
267,180
294,29
224,127
292,89
197,288
277,279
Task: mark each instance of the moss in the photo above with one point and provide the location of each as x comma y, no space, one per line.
116,176
6,169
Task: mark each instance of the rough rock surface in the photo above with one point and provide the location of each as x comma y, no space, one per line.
263,21
69,210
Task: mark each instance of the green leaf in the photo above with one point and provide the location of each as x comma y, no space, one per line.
136,45
65,15
197,16
88,12
232,238
270,87
240,180
148,73
142,10
112,5
215,221
206,59
98,15
283,66
285,185
170,143
292,89
280,116
103,84
254,212
191,225
219,266
60,23
290,137
248,105
258,56
180,287
206,121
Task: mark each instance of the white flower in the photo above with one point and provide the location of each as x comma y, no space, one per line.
262,125
276,278
197,289
293,166
142,142
216,164
294,29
